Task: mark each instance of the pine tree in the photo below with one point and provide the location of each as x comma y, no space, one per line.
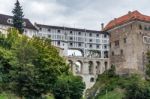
18,17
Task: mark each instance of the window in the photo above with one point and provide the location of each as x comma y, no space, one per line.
140,27
58,43
71,38
70,32
40,28
90,40
105,54
105,35
121,52
58,31
92,79
112,53
97,35
145,28
71,44
49,30
105,46
125,40
79,33
117,43
79,44
97,46
90,34
90,45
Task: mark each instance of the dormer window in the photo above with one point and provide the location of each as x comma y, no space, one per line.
10,21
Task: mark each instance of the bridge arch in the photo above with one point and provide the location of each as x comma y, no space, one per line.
78,67
75,52
91,67
98,67
106,65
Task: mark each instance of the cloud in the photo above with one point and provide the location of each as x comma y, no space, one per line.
76,13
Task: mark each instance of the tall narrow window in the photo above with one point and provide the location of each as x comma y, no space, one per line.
121,52
105,35
140,27
112,53
117,43
71,44
90,45
58,43
125,40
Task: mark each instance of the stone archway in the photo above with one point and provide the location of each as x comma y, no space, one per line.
98,67
91,67
78,67
106,65
75,52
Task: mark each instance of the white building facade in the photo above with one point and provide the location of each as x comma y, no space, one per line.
86,41
6,22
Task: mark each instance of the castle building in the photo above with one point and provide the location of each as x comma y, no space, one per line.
93,45
129,42
84,40
6,22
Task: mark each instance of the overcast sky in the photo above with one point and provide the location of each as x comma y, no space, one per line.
87,14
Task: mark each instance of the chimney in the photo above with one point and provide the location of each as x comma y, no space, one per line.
102,26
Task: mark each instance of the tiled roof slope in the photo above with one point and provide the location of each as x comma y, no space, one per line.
135,15
4,18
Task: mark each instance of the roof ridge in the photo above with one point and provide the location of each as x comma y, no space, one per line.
127,17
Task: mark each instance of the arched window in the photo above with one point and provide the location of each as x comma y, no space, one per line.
92,79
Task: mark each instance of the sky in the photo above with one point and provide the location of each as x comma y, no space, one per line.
88,14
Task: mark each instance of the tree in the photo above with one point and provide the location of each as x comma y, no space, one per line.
18,17
29,67
138,89
32,67
68,87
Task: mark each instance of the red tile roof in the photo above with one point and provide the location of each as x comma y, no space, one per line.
135,15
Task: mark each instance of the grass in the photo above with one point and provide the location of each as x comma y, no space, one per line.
115,94
6,96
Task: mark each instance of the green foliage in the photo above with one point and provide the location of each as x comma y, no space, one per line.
115,94
138,89
148,65
68,87
31,67
18,17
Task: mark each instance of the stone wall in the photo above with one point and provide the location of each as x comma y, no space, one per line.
129,55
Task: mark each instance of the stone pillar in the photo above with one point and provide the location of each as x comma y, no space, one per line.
94,68
101,67
102,54
85,68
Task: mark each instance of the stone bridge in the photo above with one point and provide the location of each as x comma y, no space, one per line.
88,68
